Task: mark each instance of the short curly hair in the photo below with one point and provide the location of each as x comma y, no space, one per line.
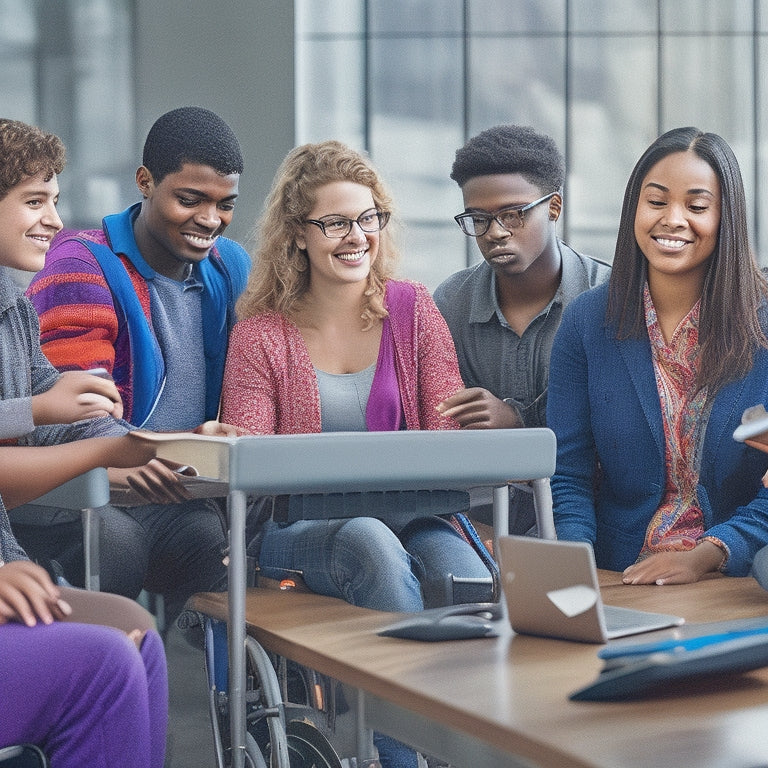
191,135
26,151
511,149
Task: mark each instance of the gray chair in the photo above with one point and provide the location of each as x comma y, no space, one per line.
83,495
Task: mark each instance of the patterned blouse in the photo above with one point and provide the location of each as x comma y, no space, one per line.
679,522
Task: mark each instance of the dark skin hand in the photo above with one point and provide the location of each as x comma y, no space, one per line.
28,595
477,408
675,567
160,481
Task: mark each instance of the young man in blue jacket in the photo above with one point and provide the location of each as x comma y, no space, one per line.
150,297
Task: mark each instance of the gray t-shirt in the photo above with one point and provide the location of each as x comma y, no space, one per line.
343,399
177,320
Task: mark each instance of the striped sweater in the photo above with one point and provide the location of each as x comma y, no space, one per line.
87,322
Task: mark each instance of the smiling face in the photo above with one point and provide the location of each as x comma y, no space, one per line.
512,253
182,216
339,260
678,217
28,222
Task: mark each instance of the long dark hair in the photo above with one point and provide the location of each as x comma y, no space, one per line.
734,287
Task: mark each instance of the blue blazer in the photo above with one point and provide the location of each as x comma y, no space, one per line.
603,405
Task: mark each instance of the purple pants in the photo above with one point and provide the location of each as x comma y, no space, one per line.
84,694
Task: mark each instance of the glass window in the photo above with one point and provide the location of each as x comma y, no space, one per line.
602,77
416,108
416,17
18,41
610,126
432,252
330,102
601,16
525,17
706,16
724,65
66,65
527,90
335,18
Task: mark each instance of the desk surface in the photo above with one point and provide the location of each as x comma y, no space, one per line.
512,691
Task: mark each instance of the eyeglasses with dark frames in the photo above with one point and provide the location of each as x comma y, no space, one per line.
336,227
477,223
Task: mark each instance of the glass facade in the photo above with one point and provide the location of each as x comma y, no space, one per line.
410,80
66,65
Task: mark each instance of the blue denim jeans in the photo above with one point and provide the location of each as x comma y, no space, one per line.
364,562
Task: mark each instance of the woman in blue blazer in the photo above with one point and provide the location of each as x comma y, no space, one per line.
651,372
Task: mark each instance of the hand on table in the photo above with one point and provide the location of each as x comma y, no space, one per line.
157,482
218,429
675,567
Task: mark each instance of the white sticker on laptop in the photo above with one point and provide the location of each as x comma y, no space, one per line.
571,601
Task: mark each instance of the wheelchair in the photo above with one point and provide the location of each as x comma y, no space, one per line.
289,709
294,715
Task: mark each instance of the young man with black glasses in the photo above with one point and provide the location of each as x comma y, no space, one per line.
503,313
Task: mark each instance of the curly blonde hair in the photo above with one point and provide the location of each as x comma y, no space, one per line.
25,151
280,275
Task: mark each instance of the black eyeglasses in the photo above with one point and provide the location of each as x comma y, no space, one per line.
340,226
477,223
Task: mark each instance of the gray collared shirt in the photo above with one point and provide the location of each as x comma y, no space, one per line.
514,368
492,355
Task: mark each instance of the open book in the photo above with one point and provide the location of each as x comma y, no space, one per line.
204,460
753,429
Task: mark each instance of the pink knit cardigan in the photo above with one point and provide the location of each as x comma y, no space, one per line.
270,385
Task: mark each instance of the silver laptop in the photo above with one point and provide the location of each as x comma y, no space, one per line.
551,589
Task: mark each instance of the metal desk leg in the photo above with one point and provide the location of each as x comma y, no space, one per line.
500,514
542,501
363,734
90,518
236,504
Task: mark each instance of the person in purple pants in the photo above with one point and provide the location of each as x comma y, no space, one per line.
85,694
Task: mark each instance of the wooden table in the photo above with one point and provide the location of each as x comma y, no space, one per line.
504,701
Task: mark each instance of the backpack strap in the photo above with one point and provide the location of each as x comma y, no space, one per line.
147,369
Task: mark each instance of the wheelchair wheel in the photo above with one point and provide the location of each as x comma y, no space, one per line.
308,748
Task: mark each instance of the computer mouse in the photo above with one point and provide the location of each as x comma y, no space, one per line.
453,622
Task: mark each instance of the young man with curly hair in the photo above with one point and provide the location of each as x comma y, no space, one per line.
503,313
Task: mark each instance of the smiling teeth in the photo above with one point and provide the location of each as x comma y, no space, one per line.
351,256
199,240
670,243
